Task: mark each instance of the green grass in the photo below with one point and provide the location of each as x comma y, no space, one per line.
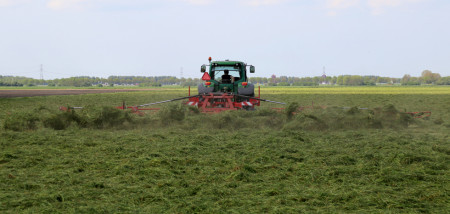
322,160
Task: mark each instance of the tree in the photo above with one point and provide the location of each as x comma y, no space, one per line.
406,79
340,80
429,77
443,81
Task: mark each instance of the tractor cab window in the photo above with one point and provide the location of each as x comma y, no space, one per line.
220,72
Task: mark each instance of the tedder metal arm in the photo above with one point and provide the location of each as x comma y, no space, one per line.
261,99
166,101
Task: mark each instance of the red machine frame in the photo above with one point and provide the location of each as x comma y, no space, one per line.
217,102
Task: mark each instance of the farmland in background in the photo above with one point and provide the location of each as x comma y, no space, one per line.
330,157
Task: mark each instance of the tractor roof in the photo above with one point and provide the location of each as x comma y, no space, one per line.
227,62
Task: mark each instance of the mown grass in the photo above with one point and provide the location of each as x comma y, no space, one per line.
178,161
359,90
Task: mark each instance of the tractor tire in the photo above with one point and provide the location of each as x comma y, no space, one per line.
204,90
247,91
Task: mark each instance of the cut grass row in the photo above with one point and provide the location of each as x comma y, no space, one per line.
180,171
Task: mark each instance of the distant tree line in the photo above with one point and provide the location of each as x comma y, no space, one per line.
427,78
330,80
85,81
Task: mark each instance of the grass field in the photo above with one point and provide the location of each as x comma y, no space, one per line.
323,159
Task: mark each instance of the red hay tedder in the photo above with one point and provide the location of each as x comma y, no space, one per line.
226,87
208,103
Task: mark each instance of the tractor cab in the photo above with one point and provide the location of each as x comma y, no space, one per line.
226,76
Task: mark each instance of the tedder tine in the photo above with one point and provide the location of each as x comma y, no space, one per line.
165,101
261,99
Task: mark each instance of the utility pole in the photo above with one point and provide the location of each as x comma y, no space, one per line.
324,76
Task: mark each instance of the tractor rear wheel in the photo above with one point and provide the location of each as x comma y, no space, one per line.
204,90
247,91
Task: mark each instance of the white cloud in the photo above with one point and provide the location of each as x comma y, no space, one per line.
4,3
199,2
335,5
262,2
66,4
378,6
341,4
82,4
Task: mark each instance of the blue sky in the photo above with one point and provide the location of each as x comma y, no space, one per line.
282,37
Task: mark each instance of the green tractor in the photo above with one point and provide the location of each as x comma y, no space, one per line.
226,87
227,77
